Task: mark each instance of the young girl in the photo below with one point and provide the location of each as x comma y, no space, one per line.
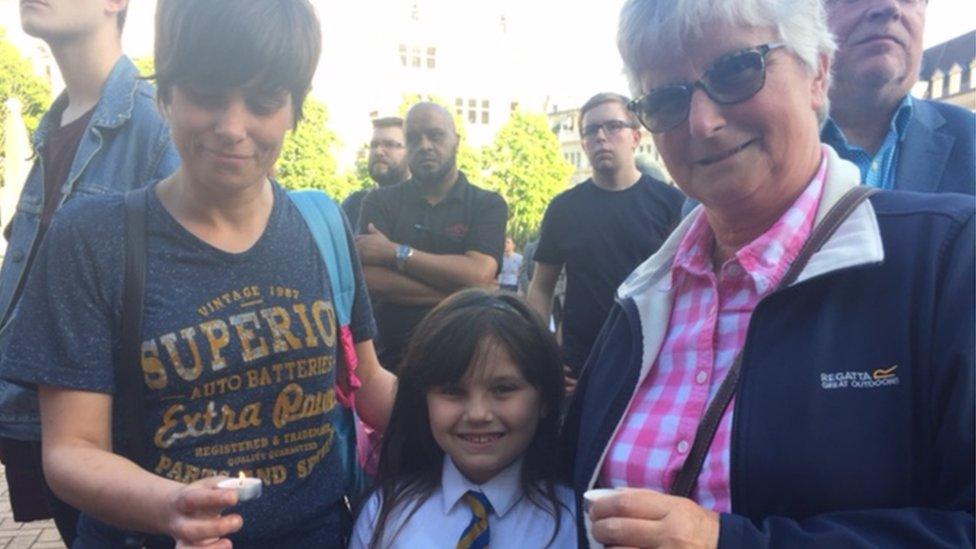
469,456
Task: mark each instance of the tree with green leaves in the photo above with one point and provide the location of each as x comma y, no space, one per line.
468,157
145,65
307,157
525,166
17,79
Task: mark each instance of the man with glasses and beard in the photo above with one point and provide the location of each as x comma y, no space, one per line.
429,236
897,141
387,163
600,229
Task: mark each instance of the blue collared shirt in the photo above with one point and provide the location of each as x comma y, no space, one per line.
439,521
878,170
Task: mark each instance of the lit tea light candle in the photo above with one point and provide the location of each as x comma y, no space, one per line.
246,487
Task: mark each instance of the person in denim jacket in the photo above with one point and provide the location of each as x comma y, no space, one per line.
103,134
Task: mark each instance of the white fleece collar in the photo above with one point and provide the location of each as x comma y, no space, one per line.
856,242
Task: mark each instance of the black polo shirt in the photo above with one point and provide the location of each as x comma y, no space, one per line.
468,219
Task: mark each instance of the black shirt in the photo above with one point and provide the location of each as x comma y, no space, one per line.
62,146
353,204
601,236
468,219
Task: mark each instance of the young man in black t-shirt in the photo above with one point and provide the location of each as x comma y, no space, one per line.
428,237
601,229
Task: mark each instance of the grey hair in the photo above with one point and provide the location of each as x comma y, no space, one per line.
650,26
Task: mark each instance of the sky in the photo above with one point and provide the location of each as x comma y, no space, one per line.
566,48
573,42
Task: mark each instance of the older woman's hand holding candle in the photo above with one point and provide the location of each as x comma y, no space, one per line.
634,517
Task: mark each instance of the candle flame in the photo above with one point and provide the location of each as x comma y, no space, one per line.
241,476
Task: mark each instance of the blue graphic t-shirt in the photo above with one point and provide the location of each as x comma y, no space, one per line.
238,353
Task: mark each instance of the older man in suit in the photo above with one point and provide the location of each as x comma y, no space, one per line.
898,142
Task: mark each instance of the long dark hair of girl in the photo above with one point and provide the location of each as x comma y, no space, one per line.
444,346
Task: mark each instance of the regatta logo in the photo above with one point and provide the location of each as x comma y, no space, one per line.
882,377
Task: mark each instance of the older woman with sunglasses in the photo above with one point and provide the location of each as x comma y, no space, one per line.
794,367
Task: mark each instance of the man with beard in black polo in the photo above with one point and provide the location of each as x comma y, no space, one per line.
387,163
427,237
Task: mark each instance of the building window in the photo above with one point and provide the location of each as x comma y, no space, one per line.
955,80
937,83
475,111
415,56
513,106
431,57
403,55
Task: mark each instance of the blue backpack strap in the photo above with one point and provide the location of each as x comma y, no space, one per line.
324,220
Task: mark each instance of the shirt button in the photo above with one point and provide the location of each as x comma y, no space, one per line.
701,377
17,256
735,270
683,447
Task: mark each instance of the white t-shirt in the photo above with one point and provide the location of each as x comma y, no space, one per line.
515,521
510,269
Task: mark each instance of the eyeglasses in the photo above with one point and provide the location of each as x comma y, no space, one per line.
385,144
609,127
731,79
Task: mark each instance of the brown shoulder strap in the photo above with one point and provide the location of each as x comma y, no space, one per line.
687,478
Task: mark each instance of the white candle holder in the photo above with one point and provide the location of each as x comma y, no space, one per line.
247,487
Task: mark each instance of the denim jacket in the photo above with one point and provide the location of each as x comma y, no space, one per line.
126,145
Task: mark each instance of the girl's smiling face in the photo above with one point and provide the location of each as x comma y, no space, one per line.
486,420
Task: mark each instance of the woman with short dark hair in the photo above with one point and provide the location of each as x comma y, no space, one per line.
247,363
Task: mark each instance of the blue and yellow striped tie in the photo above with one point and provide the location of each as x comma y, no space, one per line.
476,535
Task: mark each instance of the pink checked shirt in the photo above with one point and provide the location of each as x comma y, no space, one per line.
709,319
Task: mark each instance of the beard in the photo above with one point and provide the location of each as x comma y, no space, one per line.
392,175
437,174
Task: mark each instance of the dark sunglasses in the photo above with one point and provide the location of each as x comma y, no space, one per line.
731,79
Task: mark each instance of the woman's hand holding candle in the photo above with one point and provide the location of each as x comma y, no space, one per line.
194,515
247,488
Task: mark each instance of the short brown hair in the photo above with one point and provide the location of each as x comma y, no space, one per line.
230,43
388,122
607,97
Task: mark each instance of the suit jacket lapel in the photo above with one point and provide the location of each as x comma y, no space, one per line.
924,151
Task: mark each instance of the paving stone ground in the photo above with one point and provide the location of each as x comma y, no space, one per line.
24,535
